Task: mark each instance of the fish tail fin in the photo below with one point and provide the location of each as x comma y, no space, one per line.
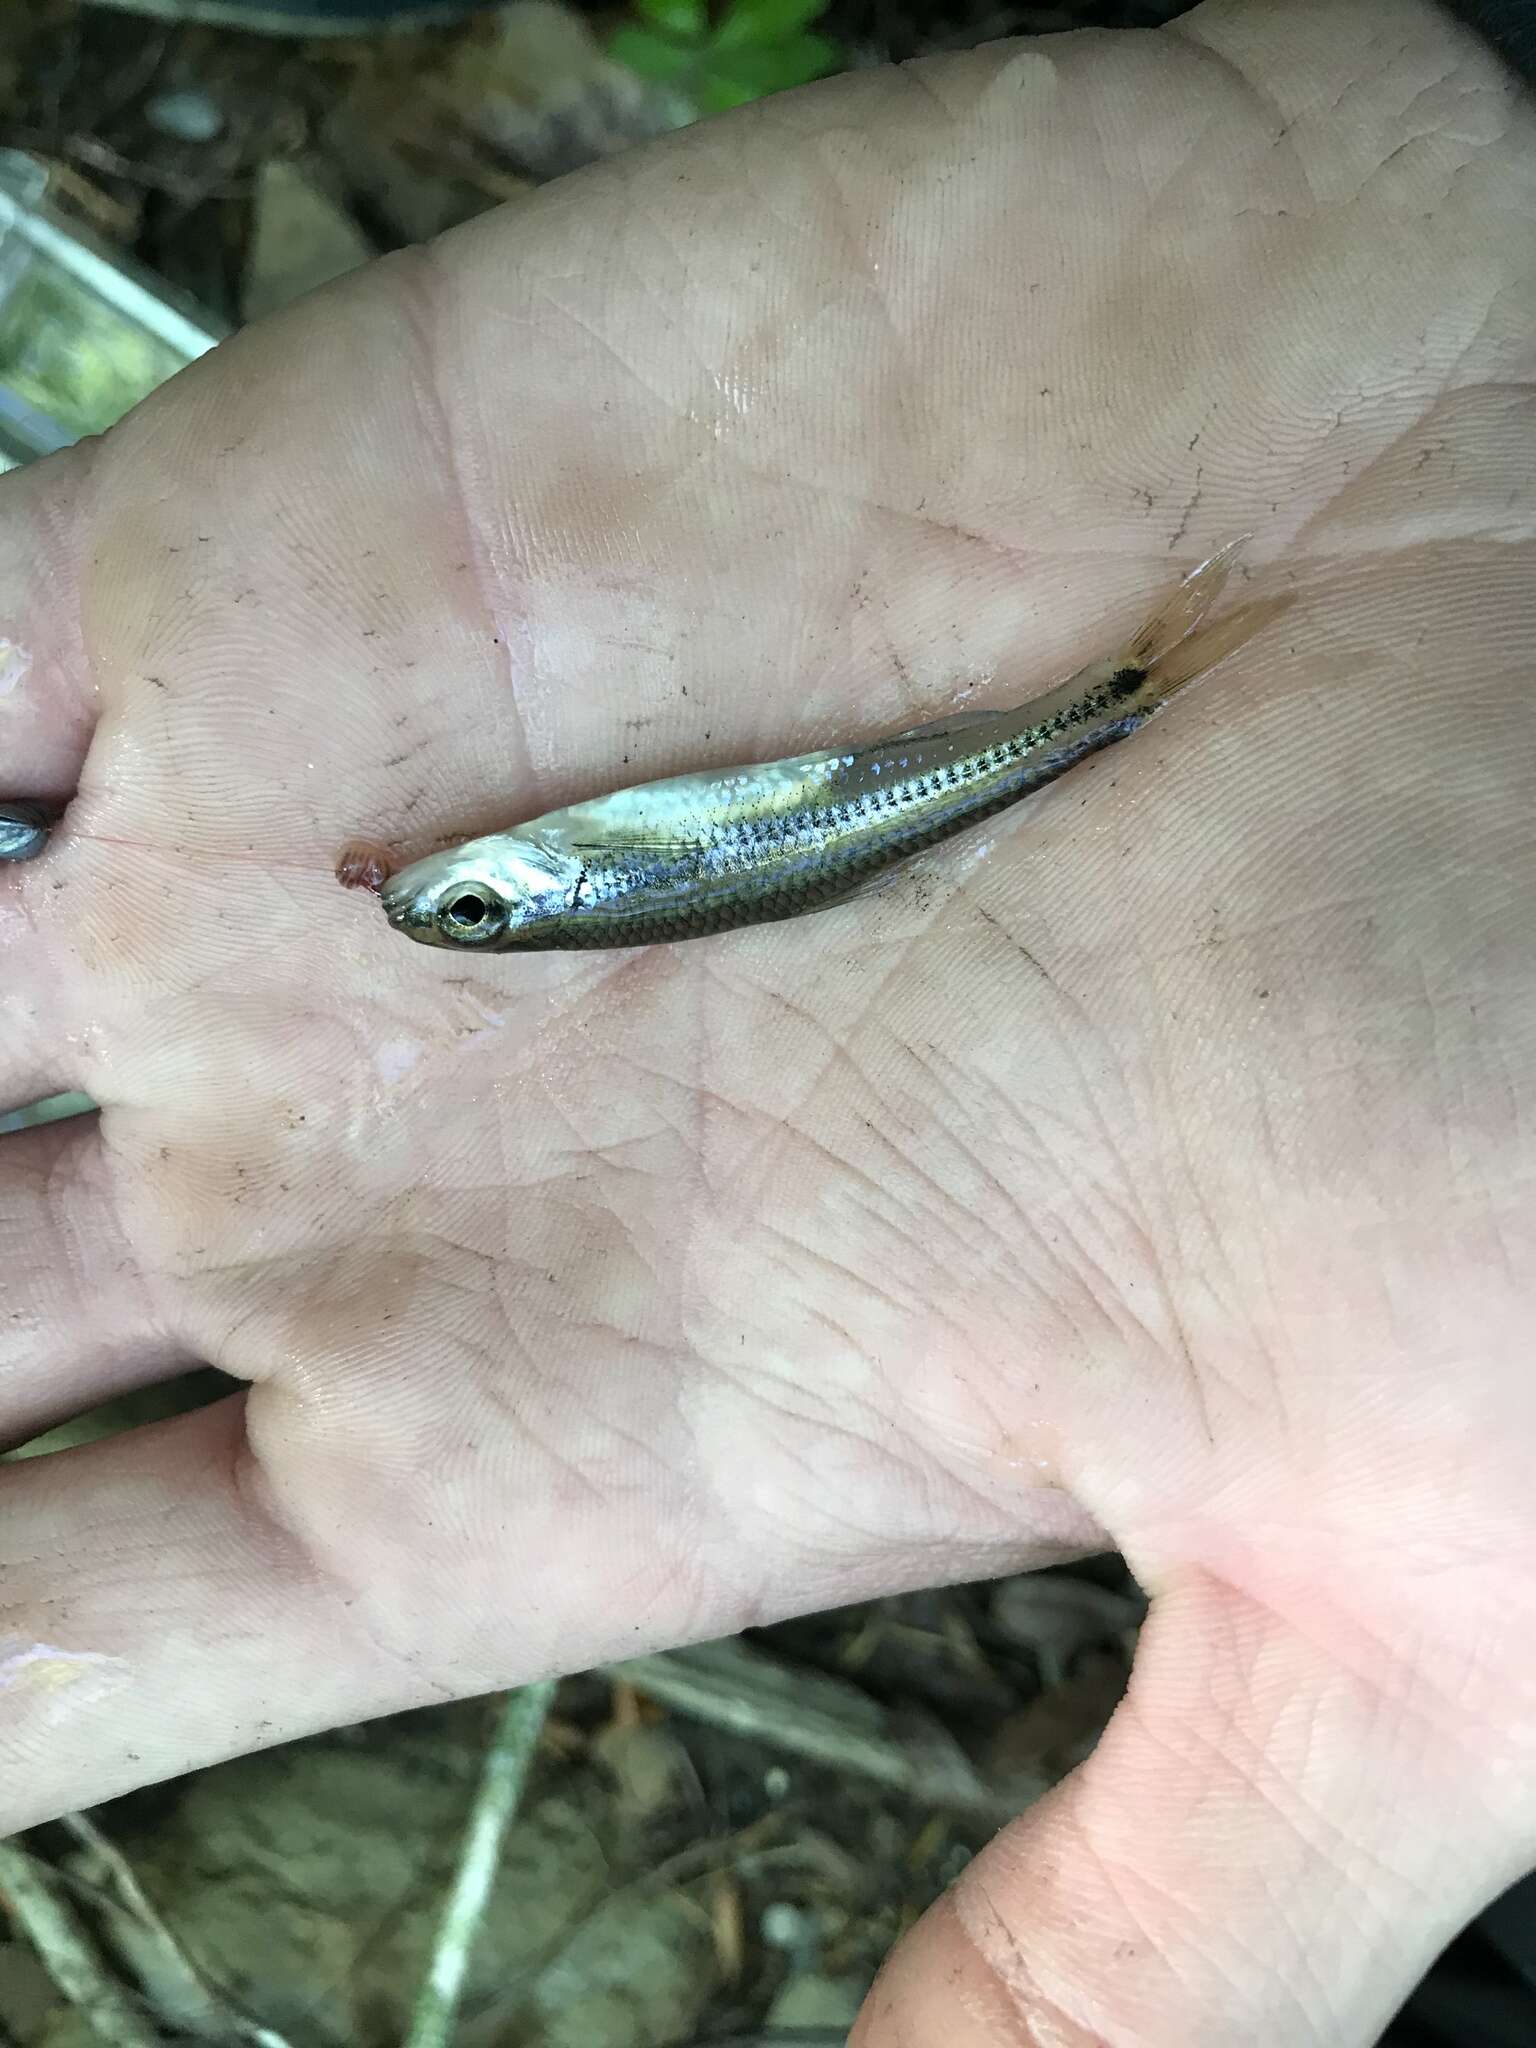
1199,652
1175,645
1179,614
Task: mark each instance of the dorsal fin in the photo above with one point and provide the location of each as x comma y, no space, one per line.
941,728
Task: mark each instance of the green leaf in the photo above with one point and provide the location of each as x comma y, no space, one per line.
685,19
753,23
652,56
754,73
719,95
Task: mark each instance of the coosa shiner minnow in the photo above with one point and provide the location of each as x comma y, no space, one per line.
698,854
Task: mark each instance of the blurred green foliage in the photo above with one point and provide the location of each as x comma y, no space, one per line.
73,358
741,53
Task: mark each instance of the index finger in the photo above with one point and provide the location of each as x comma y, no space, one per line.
47,696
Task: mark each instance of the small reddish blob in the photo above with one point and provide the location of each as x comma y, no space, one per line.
364,864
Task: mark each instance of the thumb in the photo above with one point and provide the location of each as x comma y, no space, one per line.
1280,1828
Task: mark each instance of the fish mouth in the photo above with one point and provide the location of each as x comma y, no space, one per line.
405,911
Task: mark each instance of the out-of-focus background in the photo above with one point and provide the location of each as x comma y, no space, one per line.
713,1846
233,154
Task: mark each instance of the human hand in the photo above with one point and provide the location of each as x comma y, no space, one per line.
1152,1171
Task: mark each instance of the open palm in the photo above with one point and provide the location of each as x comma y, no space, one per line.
1153,1169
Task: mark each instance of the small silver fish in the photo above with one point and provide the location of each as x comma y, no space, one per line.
703,853
23,831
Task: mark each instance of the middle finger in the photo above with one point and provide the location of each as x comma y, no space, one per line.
77,1316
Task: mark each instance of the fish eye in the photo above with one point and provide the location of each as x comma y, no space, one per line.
471,914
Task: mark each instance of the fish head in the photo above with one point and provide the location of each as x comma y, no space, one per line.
487,896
